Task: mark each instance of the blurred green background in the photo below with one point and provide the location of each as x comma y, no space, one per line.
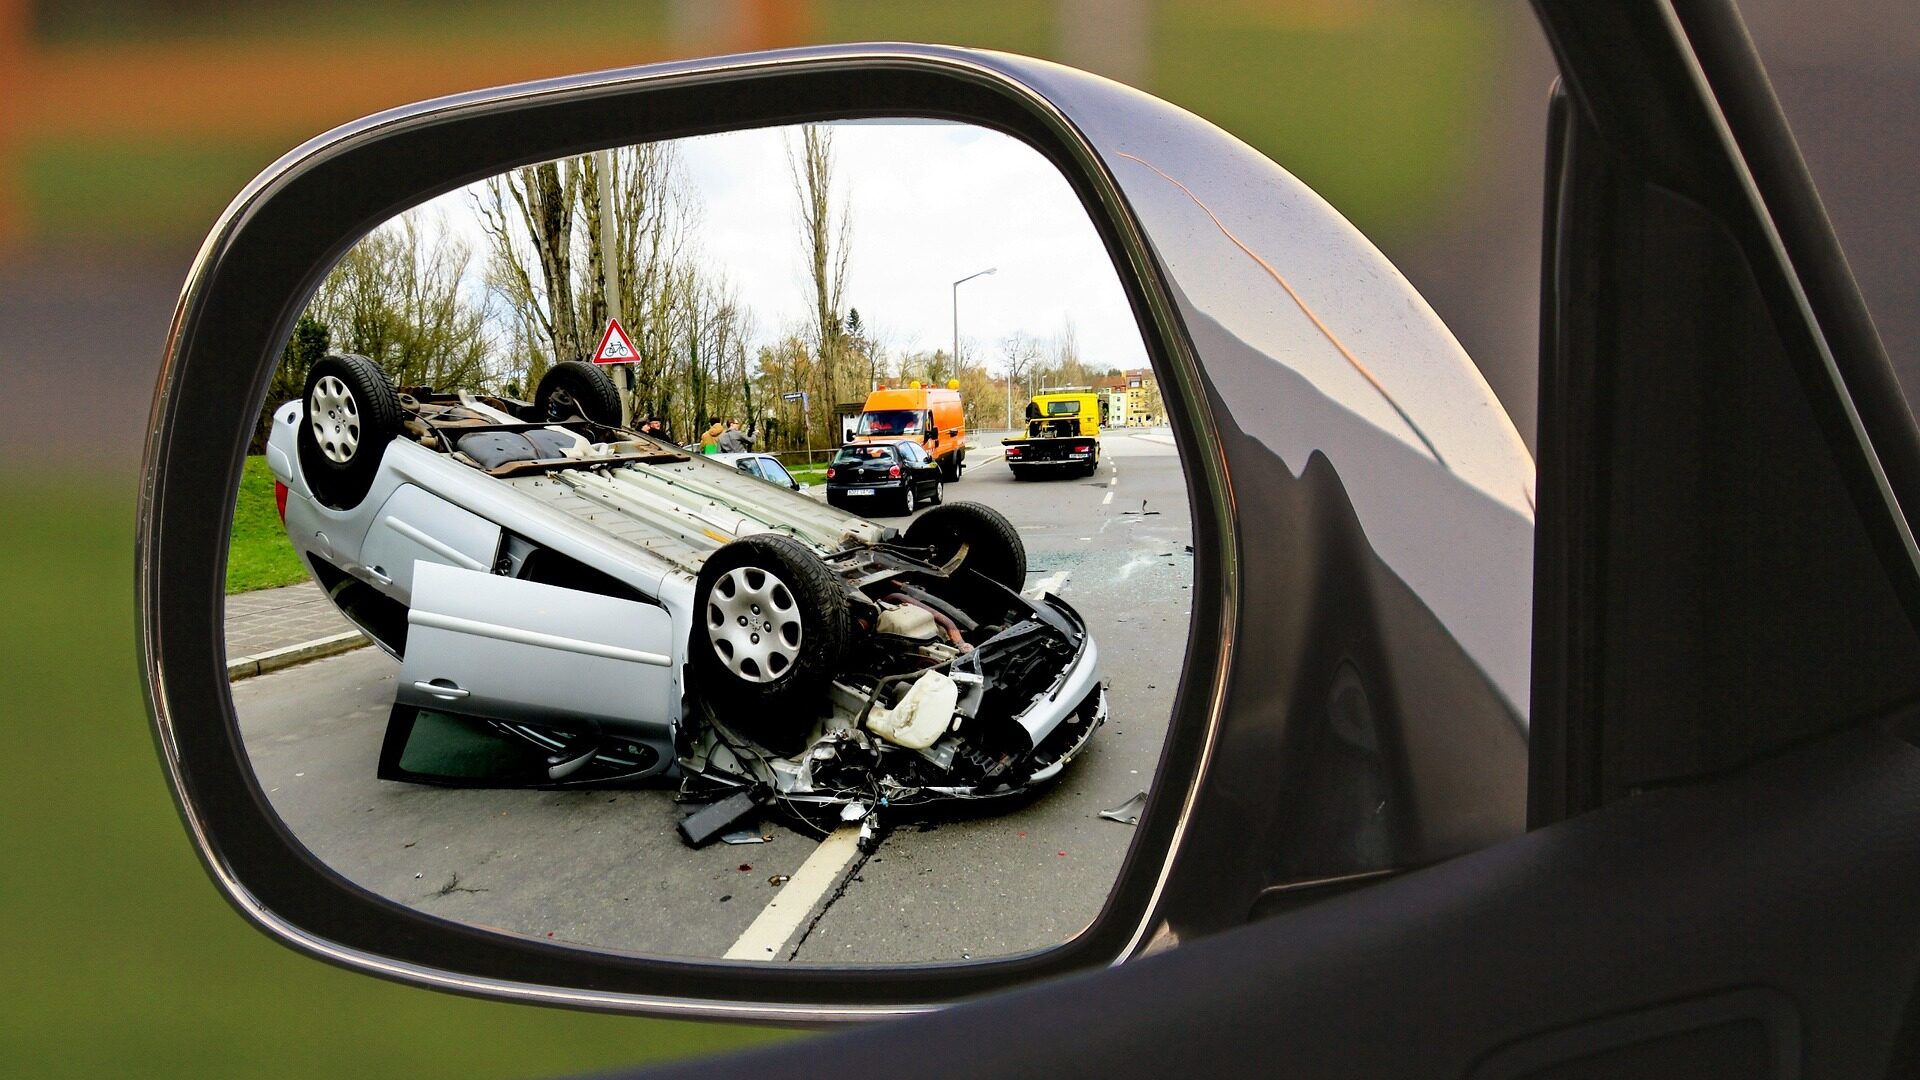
125,127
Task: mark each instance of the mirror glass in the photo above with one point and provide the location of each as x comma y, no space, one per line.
766,545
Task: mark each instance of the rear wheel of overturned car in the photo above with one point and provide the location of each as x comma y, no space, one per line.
980,537
771,626
351,413
575,389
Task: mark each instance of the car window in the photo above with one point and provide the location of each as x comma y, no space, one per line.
1063,408
891,422
775,471
850,454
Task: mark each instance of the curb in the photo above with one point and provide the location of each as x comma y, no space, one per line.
246,667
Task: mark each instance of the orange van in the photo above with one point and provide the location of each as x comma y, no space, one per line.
929,413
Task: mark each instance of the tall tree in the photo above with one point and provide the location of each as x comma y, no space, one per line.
826,232
396,298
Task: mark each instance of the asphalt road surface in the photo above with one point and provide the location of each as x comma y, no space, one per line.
607,868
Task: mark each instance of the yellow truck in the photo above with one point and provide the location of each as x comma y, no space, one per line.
1062,436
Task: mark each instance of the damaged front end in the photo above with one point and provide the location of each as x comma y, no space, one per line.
958,690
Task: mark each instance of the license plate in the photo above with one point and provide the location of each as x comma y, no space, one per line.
859,491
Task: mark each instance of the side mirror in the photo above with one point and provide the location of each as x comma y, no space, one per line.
1331,567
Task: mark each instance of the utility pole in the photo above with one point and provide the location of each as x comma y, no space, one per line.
610,277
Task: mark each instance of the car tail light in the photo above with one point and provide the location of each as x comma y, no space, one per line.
280,500
894,471
1013,451
1081,449
829,472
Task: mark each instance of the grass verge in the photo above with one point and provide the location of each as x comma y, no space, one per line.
259,556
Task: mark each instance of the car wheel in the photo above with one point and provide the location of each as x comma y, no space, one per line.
907,500
980,537
351,413
939,493
575,389
771,626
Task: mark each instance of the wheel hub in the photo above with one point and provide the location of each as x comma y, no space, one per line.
335,418
753,623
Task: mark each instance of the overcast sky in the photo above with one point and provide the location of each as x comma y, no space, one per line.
930,203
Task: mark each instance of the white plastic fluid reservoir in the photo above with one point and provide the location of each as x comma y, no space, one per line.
922,715
908,621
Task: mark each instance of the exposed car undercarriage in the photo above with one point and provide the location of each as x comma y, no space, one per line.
830,667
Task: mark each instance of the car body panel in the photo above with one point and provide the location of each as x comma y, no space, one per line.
509,649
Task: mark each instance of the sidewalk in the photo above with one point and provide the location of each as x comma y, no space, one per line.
272,628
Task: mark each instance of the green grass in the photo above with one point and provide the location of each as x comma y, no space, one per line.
121,958
809,474
259,556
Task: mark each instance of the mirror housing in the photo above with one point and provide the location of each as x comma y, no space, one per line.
1335,645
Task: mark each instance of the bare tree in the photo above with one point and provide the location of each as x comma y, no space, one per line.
396,298
826,230
1019,352
529,216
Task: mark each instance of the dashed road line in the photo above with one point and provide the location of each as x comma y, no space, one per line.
1108,499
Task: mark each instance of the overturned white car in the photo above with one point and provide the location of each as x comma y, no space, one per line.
602,607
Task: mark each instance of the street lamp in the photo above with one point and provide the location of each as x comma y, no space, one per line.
956,311
957,308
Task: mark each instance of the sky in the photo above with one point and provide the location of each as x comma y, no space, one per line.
931,202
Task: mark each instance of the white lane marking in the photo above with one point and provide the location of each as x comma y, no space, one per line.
1052,583
1115,480
775,924
1108,499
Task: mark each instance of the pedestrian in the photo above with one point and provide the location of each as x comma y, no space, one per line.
733,440
710,442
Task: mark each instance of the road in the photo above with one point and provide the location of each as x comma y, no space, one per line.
607,868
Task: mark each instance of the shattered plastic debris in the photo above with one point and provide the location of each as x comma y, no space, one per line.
778,880
744,836
1127,813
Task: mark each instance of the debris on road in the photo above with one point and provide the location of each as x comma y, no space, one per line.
745,836
1127,813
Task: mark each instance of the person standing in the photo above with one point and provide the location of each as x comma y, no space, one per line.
733,440
710,442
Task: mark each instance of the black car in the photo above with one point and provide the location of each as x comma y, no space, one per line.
899,476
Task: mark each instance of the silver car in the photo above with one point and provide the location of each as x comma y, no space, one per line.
630,610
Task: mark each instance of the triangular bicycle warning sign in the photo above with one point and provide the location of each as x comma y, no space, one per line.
615,346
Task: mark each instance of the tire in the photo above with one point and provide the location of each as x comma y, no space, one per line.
907,500
951,467
1017,471
771,688
994,547
351,412
573,388
939,493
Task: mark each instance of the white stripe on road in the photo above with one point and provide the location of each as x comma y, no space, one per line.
1052,583
774,926
1108,499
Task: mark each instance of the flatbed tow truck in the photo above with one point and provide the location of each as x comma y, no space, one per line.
1062,436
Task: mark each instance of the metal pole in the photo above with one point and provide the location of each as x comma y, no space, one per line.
956,312
610,277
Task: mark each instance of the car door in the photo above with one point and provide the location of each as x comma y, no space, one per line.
911,459
495,647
